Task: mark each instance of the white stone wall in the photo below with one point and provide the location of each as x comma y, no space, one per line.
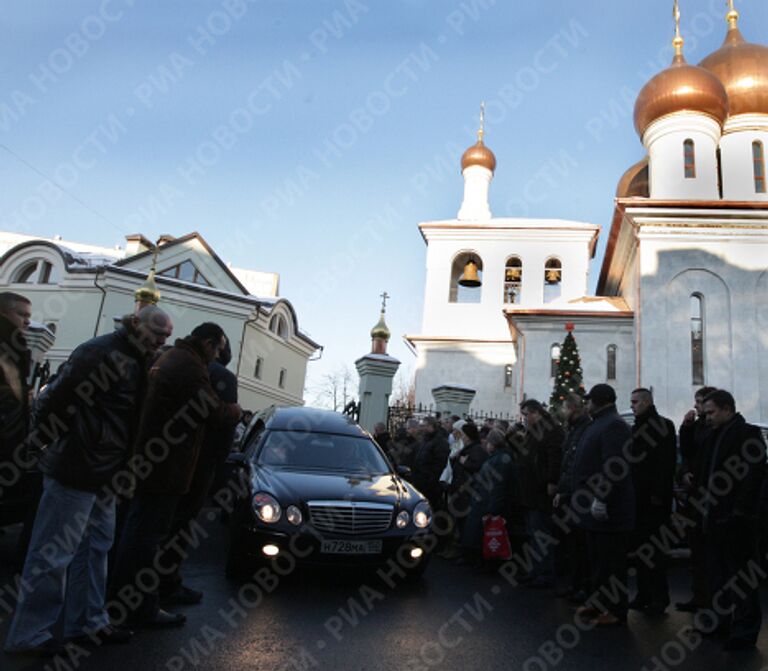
736,156
592,335
479,366
664,140
728,269
567,241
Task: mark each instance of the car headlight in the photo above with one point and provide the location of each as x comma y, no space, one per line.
422,515
293,515
402,519
267,508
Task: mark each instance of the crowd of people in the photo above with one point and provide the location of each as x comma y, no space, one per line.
128,435
130,432
583,494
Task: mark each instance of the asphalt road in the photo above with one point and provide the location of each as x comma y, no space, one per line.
453,619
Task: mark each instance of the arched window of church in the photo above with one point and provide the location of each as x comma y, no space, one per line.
466,278
758,163
278,326
697,339
689,157
38,271
513,280
553,277
610,357
554,359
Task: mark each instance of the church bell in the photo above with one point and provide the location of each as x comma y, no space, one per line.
469,277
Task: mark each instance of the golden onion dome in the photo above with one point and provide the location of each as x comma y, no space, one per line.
742,67
680,88
148,292
634,182
478,154
380,330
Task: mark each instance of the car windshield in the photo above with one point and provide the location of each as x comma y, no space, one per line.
321,451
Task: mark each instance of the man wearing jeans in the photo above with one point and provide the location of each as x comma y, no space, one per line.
89,412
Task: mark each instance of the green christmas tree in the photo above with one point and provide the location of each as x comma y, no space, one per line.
568,375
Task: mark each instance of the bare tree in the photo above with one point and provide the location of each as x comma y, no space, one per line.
404,387
335,389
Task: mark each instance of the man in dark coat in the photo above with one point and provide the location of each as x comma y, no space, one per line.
406,443
430,460
729,486
90,411
694,432
23,483
15,313
180,403
604,492
215,448
382,437
654,458
571,558
539,463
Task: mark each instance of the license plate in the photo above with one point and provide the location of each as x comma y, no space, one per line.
336,547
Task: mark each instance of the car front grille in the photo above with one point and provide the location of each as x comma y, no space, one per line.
350,518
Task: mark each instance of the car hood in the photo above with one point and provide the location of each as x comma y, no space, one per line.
293,486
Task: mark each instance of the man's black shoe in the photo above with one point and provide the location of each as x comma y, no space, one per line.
687,606
578,598
109,635
655,609
49,648
182,596
717,632
162,619
738,644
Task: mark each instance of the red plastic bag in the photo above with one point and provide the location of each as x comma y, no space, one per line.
495,538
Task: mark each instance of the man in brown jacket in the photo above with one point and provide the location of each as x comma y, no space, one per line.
180,403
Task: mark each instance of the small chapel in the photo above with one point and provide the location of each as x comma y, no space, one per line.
682,293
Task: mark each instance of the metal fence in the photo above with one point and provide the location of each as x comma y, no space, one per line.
400,413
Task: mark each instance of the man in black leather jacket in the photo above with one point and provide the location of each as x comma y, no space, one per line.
89,413
728,487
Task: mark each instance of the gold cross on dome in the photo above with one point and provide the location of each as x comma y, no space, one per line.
481,131
676,15
384,297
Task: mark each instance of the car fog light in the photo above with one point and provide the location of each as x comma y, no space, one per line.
402,519
293,515
416,553
270,550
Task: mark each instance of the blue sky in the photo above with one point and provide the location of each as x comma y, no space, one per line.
310,137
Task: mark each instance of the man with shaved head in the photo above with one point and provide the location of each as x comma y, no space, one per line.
91,410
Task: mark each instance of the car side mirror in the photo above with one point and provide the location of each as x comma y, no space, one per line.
237,459
404,471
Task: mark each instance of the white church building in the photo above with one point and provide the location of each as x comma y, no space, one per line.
682,295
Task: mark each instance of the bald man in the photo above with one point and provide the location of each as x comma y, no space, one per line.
92,409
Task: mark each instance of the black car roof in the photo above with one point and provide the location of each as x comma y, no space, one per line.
312,419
